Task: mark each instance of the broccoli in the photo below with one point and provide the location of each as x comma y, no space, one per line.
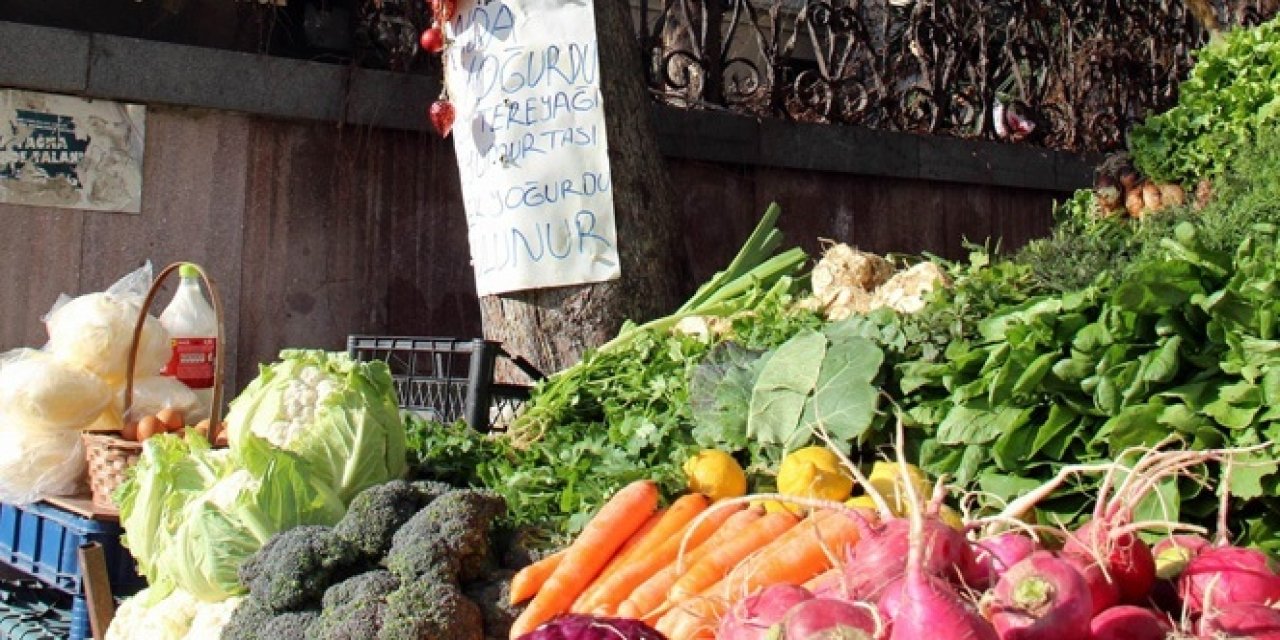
373,585
454,526
376,513
247,621
353,608
494,599
431,489
431,609
290,625
295,567
350,621
430,555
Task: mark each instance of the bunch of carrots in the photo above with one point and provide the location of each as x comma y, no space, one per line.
676,568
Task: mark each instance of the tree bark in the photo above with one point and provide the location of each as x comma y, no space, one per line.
553,327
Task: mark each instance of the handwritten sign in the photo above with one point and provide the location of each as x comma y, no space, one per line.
64,151
524,77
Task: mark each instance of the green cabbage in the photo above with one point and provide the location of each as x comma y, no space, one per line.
193,515
338,414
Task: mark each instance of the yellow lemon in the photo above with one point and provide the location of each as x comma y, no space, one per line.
814,472
716,475
951,518
887,479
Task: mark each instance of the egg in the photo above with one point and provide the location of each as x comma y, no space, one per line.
149,426
202,428
130,432
172,419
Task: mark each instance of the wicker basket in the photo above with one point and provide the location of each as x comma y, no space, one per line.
108,455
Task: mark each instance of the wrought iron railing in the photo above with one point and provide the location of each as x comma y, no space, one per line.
1067,74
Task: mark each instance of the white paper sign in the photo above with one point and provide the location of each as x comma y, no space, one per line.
524,78
64,151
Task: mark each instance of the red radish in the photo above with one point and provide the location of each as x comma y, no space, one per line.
993,556
1242,620
830,584
1042,597
441,114
751,617
1129,563
890,601
1102,592
1127,622
432,40
880,556
931,608
1222,576
827,619
1174,552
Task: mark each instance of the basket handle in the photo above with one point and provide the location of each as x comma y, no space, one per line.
215,411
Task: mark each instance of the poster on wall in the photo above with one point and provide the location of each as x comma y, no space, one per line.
529,134
64,151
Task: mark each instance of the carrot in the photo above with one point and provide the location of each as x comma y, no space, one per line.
643,603
792,558
825,580
694,618
620,585
620,517
632,542
659,527
719,561
528,580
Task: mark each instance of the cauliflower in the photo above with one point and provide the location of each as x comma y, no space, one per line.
211,618
148,616
338,414
303,395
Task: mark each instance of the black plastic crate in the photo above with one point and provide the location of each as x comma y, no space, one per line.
447,379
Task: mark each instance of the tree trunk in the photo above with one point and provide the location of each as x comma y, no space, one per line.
553,327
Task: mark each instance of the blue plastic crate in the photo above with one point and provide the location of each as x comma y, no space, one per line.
43,541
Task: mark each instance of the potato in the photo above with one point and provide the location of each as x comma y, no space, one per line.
149,426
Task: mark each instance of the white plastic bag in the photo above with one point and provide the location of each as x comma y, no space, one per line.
42,391
95,330
37,463
151,394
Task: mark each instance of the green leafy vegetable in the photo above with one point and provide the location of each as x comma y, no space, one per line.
339,414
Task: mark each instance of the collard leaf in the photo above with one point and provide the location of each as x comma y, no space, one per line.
1006,486
720,395
1164,504
844,399
977,423
1034,373
1011,448
1135,426
785,383
1247,474
1053,430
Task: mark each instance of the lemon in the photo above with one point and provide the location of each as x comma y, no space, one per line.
716,475
887,479
951,518
813,472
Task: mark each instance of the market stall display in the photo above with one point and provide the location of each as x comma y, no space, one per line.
1074,441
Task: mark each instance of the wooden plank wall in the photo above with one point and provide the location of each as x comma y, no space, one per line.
315,231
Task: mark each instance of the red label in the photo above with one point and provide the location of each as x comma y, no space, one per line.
192,361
